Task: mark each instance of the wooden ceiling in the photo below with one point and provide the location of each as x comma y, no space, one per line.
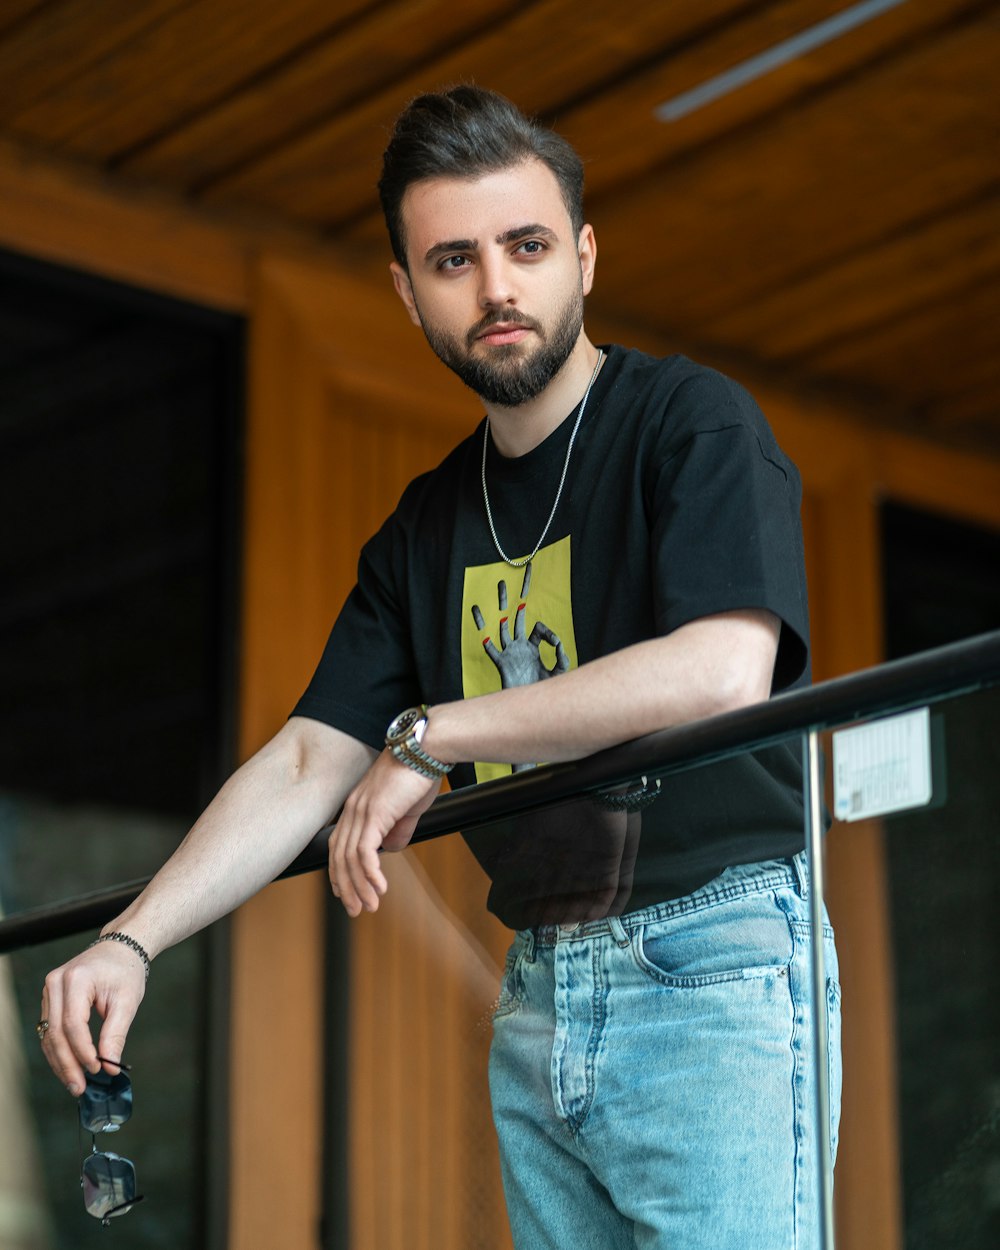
831,226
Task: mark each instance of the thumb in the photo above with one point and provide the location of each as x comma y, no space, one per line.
401,832
114,1031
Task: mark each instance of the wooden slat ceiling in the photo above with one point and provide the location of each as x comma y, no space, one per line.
832,226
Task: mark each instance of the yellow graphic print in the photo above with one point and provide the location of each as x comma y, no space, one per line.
517,628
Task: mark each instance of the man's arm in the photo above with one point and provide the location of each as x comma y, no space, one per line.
260,820
712,665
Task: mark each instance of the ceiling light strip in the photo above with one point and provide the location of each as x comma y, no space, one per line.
780,54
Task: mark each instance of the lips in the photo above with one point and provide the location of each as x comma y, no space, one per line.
500,330
504,333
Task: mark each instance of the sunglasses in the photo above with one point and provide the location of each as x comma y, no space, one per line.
107,1180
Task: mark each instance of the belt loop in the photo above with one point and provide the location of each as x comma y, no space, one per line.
618,932
801,868
529,945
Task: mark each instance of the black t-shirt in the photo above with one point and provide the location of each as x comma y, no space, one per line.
677,504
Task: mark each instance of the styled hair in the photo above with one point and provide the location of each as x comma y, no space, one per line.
466,132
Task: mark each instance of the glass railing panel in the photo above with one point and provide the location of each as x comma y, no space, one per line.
630,972
51,850
42,1145
937,859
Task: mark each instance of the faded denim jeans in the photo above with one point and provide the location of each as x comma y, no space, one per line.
652,1075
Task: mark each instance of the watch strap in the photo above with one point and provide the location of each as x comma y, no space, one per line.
408,750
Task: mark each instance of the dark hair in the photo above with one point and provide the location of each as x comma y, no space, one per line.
466,132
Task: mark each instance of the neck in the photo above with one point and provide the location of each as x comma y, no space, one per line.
516,431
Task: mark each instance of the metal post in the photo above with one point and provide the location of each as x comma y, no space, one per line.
813,802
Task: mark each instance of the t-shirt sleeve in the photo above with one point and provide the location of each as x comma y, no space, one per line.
366,675
727,534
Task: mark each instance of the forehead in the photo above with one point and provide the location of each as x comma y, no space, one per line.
438,209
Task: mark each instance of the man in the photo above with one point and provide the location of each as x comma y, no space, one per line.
650,522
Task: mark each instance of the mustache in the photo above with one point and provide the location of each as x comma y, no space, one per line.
496,316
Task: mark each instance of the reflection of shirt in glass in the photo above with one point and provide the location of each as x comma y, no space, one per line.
677,504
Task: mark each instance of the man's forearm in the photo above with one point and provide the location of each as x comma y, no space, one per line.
710,666
260,820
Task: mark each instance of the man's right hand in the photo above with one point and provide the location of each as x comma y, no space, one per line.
263,816
109,978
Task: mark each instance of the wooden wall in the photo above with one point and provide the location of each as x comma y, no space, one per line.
345,405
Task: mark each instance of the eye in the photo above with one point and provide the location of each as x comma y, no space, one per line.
452,264
532,247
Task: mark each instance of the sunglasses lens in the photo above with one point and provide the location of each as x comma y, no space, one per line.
106,1102
108,1185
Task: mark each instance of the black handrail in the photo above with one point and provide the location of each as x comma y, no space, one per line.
933,675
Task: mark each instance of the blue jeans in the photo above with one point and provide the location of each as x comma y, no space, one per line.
651,1076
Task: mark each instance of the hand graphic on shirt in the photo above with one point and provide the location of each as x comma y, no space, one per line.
519,661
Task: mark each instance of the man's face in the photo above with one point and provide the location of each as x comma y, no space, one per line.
496,277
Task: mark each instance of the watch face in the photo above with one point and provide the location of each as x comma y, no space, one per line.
402,725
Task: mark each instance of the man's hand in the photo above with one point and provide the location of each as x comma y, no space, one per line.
109,978
381,812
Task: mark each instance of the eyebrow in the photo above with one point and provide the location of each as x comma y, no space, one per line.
532,230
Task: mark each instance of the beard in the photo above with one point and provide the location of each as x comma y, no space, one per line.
505,375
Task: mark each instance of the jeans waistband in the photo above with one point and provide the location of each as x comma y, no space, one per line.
734,882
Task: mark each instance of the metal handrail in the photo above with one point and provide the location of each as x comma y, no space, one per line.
948,671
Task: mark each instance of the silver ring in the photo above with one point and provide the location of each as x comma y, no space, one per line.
41,1028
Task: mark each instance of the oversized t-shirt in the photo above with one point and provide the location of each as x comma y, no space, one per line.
677,504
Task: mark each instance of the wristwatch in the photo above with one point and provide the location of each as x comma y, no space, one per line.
403,738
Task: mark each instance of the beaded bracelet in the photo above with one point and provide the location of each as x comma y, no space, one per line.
130,942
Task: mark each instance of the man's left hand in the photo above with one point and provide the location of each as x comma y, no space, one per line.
381,813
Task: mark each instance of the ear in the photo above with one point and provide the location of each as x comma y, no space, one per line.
587,247
401,281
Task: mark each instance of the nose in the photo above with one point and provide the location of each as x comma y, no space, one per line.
496,282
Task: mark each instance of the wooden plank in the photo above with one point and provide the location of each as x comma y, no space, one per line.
198,54
616,129
931,262
275,1059
352,64
60,215
328,175
15,12
937,478
62,41
959,331
621,134
845,169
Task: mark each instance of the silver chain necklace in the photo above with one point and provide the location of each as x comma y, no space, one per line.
519,564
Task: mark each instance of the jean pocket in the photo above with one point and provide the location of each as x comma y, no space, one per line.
511,985
742,939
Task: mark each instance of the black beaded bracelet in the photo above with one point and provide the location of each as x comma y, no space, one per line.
130,942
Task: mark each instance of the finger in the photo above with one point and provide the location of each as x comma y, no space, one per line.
477,616
78,1002
526,584
491,651
369,879
363,860
519,622
56,1047
357,879
542,633
504,632
502,595
331,867
339,876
